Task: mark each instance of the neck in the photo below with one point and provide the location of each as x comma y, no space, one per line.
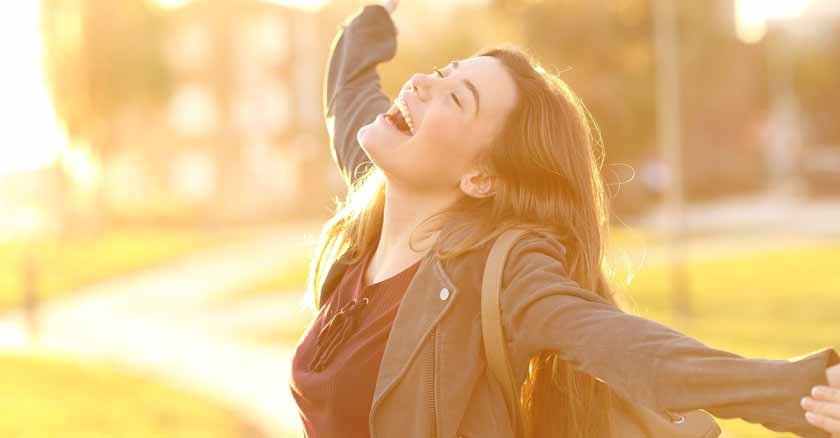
403,213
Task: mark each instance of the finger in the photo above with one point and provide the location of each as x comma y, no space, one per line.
825,423
391,5
826,393
829,409
833,375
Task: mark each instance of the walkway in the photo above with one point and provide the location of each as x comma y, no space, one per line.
161,322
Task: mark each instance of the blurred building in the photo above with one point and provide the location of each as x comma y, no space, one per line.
240,125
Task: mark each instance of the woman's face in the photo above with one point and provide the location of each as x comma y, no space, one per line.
454,116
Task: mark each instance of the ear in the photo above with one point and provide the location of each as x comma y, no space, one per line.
478,184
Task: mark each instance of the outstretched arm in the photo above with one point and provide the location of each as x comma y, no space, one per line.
642,360
352,91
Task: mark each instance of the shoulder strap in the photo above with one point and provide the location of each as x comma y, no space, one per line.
491,323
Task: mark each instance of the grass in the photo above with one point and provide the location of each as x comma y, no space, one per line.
793,284
47,398
776,304
83,260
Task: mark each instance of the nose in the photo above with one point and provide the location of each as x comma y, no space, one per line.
421,84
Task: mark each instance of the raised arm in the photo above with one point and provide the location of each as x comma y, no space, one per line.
644,361
352,90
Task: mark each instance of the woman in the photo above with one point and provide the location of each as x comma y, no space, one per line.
485,143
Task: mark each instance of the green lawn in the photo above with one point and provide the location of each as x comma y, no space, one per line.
83,260
777,304
45,398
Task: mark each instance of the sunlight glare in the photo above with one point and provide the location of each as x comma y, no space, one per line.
33,137
752,15
308,5
171,4
82,166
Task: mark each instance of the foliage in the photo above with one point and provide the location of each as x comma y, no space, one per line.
102,57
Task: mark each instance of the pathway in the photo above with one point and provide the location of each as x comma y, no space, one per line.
160,322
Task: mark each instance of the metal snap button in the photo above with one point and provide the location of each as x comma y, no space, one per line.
677,418
444,294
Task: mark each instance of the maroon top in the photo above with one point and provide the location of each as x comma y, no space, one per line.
336,362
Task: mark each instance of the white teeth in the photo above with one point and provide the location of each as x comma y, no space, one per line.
406,115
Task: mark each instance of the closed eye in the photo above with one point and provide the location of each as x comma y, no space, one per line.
454,97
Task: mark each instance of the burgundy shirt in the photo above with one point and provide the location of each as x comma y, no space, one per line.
336,362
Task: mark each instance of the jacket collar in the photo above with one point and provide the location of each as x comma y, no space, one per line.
338,268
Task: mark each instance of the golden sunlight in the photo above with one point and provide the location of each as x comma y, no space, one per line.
172,4
310,5
752,15
33,138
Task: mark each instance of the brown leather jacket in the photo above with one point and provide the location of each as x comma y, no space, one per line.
433,379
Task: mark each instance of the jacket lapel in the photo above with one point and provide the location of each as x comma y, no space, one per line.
420,310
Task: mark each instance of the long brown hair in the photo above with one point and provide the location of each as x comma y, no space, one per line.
547,161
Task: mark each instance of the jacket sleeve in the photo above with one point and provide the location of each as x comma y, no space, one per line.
644,361
352,92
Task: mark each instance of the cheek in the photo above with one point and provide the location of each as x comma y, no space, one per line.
436,157
446,138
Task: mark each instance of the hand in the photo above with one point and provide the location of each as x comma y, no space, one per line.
391,5
823,410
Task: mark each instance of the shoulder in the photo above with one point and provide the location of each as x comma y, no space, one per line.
534,241
535,249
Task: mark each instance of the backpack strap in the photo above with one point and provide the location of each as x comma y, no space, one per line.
491,323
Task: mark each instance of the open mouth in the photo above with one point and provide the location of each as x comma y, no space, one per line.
400,118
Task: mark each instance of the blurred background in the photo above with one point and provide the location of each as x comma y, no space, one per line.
165,171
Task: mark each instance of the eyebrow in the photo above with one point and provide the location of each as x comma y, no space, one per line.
472,88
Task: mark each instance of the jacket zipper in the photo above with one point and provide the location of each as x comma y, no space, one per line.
430,383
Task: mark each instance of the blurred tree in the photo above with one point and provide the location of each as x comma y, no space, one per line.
101,57
604,51
724,94
817,90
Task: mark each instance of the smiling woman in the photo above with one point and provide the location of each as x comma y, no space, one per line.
443,120
498,144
